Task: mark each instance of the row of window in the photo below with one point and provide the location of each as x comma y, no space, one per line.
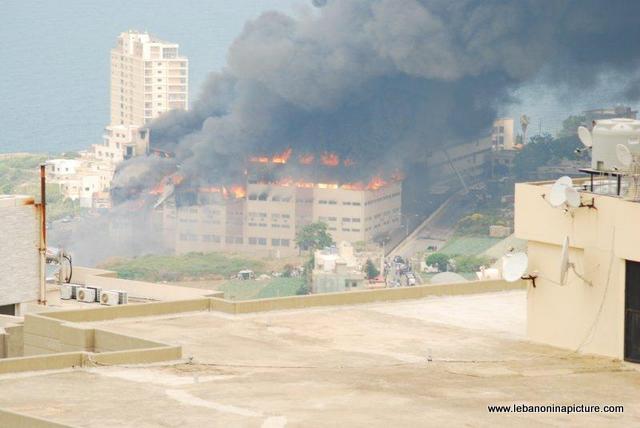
216,239
382,198
276,225
265,197
344,219
275,242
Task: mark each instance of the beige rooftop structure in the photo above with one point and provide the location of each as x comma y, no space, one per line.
438,356
596,309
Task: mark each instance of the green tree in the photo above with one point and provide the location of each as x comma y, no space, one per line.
544,150
570,126
439,260
313,237
371,270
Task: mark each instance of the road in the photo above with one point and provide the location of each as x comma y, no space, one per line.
437,228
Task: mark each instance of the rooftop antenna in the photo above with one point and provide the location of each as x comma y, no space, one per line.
514,267
632,169
565,264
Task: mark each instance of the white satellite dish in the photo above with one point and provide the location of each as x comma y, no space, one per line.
572,197
514,266
585,136
564,261
624,155
558,195
566,180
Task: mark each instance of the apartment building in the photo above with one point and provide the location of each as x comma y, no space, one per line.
122,142
503,134
79,179
148,78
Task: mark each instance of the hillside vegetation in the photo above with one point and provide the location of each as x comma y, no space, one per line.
183,267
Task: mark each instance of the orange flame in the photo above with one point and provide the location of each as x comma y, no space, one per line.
376,183
238,191
306,159
282,157
158,190
330,159
259,159
174,179
211,189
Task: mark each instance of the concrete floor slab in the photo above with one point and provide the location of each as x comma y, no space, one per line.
429,362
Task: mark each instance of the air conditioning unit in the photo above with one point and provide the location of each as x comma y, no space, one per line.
110,298
86,294
123,297
114,297
68,291
98,291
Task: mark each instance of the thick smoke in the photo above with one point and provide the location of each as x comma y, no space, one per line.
385,82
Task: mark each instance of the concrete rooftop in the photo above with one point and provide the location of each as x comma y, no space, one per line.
427,362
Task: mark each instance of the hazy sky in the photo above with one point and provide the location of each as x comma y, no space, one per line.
54,85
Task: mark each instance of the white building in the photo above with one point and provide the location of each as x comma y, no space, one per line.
148,78
79,179
336,269
122,142
19,256
503,135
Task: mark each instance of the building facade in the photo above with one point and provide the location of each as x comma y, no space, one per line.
597,309
268,216
148,78
503,135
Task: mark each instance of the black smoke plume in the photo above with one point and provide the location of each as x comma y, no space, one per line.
385,82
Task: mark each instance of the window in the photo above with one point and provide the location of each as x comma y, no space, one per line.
262,241
253,241
284,242
275,242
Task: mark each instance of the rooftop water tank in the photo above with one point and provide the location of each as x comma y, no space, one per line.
606,135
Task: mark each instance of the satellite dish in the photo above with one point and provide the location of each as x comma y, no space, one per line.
564,261
558,195
585,136
514,266
572,197
566,180
624,154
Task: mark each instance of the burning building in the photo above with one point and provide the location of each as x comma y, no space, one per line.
280,195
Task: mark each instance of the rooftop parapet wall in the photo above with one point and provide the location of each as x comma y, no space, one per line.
54,340
614,222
